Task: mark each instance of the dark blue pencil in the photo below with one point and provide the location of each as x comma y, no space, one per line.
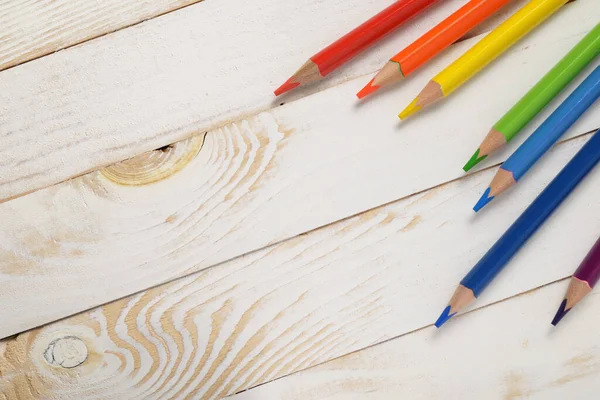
543,138
523,228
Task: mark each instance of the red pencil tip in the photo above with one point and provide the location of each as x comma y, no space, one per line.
288,85
367,90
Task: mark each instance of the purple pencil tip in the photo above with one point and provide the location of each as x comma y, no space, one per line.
444,317
560,313
485,198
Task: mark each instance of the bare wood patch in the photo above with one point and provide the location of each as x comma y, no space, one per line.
318,296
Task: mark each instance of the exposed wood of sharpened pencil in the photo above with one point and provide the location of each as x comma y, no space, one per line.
309,72
360,38
272,321
502,181
245,176
516,236
431,93
584,279
492,46
544,137
503,351
432,43
548,87
390,73
577,290
461,299
493,141
42,124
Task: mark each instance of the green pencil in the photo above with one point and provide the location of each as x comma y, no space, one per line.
539,96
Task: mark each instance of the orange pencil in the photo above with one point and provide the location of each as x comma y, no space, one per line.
354,42
432,43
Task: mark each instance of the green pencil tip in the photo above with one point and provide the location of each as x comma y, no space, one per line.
473,161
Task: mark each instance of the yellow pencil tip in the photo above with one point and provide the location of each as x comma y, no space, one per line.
411,109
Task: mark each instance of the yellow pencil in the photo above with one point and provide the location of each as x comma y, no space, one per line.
485,51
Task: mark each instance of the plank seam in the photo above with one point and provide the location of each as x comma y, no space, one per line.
474,310
91,38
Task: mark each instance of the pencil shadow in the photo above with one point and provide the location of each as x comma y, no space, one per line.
427,113
553,330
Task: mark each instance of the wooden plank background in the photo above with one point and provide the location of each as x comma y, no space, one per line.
262,316
32,29
256,178
168,78
464,362
100,240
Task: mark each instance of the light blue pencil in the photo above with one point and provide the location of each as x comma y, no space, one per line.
515,237
543,138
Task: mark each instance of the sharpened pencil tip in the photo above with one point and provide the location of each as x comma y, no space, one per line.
288,85
560,313
484,200
473,161
368,89
445,316
411,109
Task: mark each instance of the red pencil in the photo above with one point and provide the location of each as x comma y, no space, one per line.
354,42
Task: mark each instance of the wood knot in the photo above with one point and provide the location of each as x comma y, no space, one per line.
66,352
154,165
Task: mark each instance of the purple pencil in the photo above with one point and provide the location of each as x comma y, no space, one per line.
582,282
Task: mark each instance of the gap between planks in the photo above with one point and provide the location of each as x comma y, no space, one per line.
37,45
508,352
299,303
134,139
476,309
236,195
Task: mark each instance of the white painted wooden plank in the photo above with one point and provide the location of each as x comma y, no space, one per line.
307,300
255,182
507,351
32,29
162,80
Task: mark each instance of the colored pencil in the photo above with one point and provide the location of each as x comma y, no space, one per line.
481,54
583,281
536,99
354,42
517,165
432,43
523,228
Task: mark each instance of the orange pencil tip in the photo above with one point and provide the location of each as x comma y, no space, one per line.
368,89
288,85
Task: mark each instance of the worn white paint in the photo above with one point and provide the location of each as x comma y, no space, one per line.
168,78
508,351
341,288
256,181
32,29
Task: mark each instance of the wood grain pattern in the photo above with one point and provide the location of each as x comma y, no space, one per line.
168,78
301,302
32,29
530,360
254,182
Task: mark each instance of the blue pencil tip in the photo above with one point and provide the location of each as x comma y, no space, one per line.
485,198
444,317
